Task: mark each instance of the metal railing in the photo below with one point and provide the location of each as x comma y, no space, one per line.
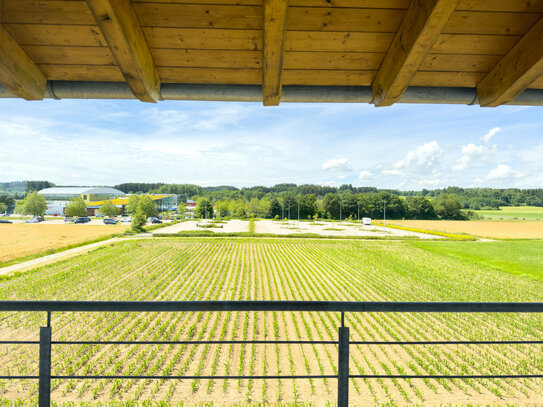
343,341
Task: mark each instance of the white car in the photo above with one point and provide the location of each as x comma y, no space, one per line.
126,219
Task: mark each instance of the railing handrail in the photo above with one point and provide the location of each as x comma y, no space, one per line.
343,341
302,306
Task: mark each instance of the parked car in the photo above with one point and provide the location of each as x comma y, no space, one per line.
99,216
126,219
67,219
152,219
82,220
110,221
5,221
35,219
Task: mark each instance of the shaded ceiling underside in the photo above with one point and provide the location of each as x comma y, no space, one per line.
491,49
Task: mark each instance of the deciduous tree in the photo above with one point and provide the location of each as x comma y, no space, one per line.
76,207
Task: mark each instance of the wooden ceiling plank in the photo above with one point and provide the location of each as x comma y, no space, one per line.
419,30
516,71
275,21
18,72
121,29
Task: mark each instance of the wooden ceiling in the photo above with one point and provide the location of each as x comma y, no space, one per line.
495,46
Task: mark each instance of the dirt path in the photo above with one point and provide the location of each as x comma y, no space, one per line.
40,261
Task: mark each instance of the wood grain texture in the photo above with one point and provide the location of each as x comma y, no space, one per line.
327,78
474,44
18,72
418,32
65,35
275,21
516,71
490,23
223,76
333,60
91,73
207,59
203,38
41,54
121,29
199,16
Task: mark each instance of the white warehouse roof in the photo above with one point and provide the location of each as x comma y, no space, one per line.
80,191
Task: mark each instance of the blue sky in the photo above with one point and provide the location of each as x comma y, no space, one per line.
89,142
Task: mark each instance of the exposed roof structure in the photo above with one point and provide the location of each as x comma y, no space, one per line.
488,52
80,191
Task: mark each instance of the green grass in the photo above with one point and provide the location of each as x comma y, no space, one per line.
513,213
522,257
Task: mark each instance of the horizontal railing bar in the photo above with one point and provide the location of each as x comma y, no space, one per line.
523,376
198,377
520,376
446,343
255,342
316,306
19,342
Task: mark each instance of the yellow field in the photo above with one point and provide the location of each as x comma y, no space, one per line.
491,229
18,240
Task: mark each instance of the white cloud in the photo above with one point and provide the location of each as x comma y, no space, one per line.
502,171
337,165
424,160
473,155
365,175
491,133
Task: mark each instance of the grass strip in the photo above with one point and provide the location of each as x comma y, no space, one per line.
450,236
53,251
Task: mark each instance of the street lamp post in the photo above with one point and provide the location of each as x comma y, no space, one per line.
384,216
298,211
358,206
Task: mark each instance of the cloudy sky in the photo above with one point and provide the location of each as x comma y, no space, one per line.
405,146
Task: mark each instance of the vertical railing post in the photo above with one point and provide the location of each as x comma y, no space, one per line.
343,365
45,364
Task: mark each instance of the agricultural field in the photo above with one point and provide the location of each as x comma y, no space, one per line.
20,240
513,213
274,269
482,228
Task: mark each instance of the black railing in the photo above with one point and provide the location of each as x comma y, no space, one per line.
343,341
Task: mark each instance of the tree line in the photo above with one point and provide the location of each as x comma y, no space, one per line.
470,198
340,206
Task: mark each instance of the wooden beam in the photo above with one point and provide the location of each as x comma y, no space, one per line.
522,65
418,31
275,18
17,71
122,31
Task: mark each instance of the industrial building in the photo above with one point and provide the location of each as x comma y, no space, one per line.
59,197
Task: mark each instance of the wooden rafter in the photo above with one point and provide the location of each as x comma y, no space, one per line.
120,26
419,30
516,71
275,17
17,71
